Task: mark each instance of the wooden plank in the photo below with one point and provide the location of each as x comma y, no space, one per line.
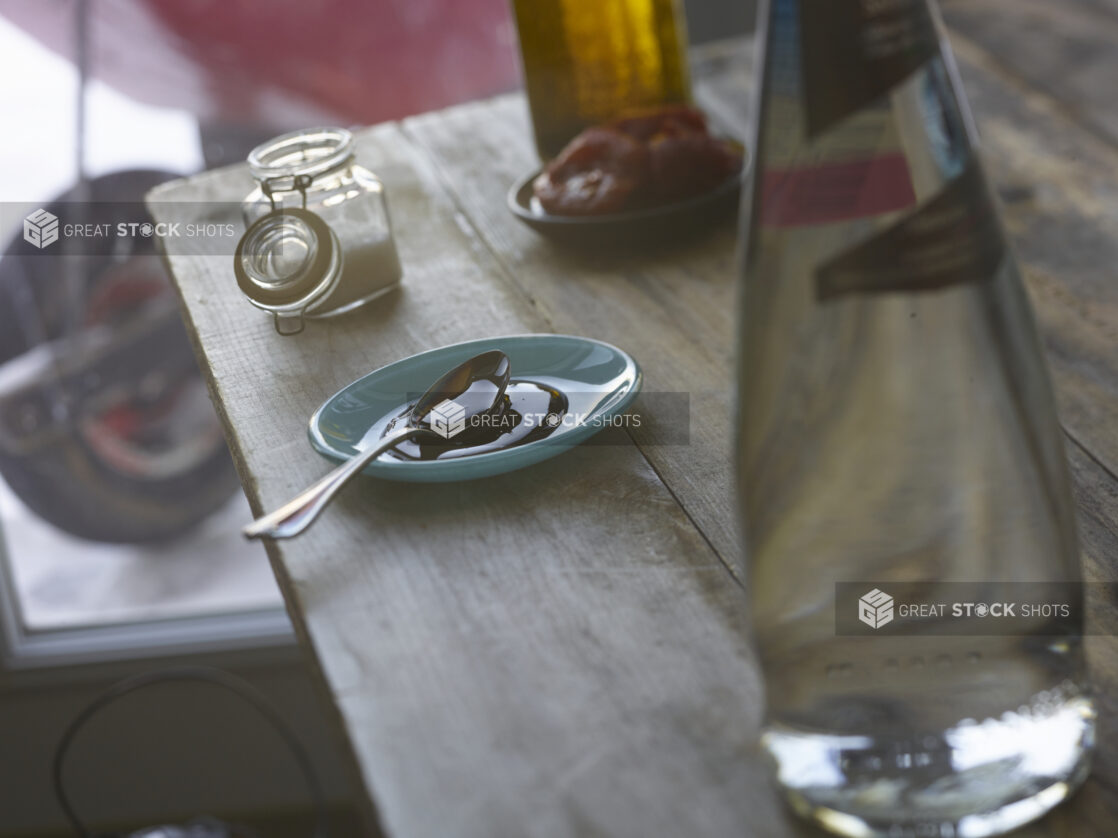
1058,184
674,310
553,652
496,672
1066,49
1095,810
1108,7
1059,188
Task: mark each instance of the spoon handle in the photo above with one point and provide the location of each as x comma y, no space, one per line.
301,511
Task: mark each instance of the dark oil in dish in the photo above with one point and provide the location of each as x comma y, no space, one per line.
528,411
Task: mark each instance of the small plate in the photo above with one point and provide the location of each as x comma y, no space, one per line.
602,381
674,219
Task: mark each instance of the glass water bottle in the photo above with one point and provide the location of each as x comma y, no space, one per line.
896,430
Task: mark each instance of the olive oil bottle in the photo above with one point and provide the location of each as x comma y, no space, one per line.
585,61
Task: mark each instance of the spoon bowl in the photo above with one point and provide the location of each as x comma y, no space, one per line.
476,388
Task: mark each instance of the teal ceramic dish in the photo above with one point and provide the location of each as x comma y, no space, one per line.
598,379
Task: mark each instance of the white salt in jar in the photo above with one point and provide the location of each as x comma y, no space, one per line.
318,239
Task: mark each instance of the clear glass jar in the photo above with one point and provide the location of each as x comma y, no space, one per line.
318,238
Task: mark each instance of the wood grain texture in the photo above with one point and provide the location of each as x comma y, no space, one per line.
1060,199
1106,7
1059,193
669,304
1069,49
1095,810
1048,174
563,651
560,641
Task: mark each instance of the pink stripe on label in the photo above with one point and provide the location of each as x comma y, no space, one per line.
836,192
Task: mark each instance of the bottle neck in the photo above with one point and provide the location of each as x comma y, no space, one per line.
838,56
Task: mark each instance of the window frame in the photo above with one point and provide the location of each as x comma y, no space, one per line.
203,634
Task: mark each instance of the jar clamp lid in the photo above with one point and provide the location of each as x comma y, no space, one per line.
289,259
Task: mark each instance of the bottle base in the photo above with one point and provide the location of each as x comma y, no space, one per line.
973,780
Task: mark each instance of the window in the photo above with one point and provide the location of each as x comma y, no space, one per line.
137,451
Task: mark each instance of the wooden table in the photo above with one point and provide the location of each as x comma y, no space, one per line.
564,651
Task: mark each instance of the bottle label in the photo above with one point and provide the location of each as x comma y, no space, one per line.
828,193
953,239
854,51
